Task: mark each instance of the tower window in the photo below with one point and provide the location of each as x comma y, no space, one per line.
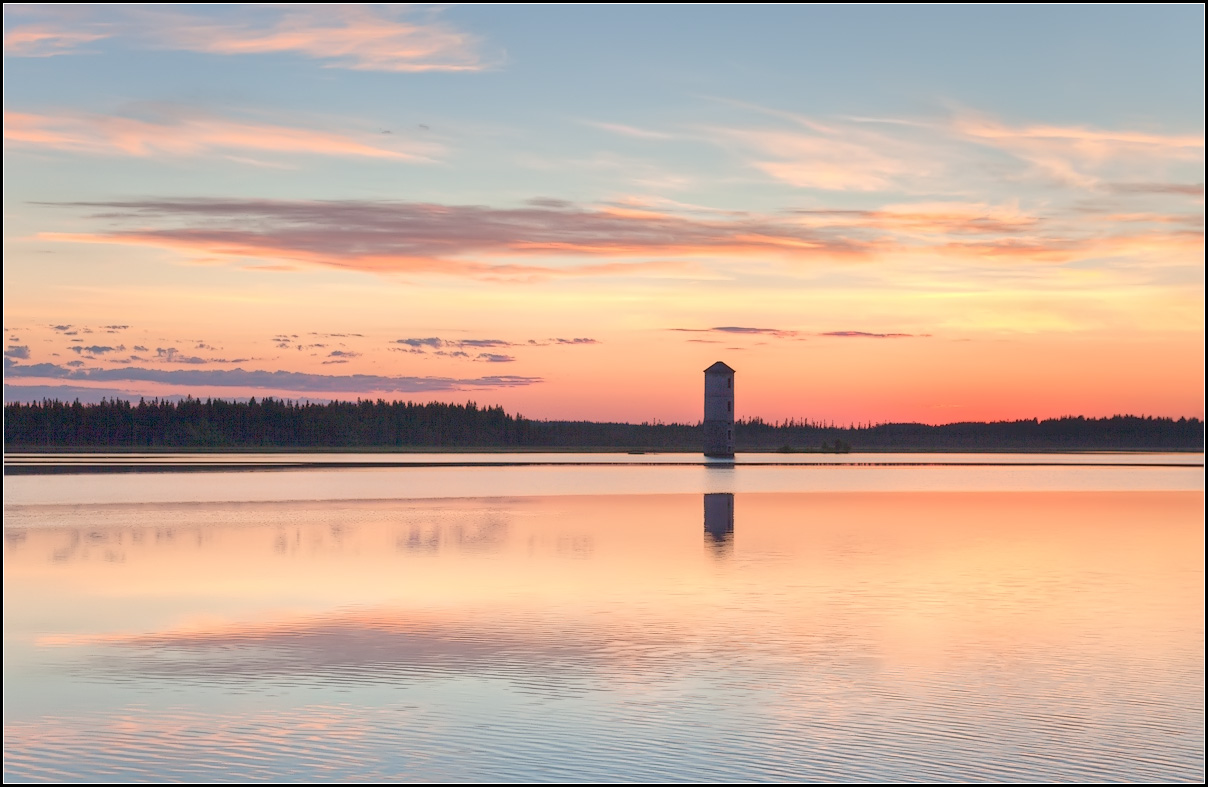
729,406
729,382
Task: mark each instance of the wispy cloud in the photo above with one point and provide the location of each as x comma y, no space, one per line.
483,343
826,159
456,348
436,343
835,154
171,130
277,380
95,349
948,154
629,131
1079,156
171,355
1183,189
867,335
364,38
779,333
431,341
19,351
783,333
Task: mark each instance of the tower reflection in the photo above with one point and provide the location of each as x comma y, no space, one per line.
719,522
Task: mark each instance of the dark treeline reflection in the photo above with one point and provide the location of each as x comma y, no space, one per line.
275,423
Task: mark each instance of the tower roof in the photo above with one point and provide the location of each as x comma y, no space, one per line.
719,368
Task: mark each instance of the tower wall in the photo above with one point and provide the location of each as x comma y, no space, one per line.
719,411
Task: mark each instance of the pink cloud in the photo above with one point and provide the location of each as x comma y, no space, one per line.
43,42
345,36
170,131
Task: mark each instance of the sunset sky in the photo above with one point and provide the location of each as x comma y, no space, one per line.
873,213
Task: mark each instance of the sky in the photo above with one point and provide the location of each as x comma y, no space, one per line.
872,213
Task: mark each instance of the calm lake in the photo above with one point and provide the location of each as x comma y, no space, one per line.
617,617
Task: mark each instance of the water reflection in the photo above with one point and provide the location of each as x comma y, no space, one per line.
719,522
852,636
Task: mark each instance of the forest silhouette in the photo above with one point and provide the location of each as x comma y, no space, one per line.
281,424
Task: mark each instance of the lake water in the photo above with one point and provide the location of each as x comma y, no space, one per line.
608,617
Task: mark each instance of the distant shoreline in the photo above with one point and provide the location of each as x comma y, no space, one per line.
93,469
102,449
83,462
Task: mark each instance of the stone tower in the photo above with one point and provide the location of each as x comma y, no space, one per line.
719,411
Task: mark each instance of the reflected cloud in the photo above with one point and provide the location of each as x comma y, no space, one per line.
603,628
367,648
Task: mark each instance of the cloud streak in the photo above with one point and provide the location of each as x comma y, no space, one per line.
559,240
279,380
782,333
411,237
779,333
1179,189
167,131
435,342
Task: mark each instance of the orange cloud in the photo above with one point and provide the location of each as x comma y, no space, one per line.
171,132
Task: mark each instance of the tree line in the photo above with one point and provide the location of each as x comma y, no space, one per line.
277,423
